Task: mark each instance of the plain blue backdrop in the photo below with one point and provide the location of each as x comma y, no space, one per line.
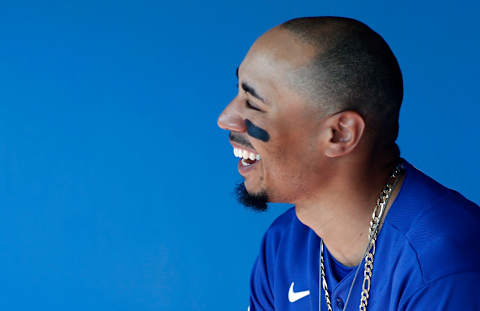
116,184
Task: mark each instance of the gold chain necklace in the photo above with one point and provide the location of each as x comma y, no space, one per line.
369,253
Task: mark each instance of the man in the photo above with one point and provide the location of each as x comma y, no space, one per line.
315,122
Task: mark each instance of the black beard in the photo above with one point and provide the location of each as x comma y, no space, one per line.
257,201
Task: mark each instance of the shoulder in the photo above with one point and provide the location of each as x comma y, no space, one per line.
440,225
280,227
284,233
283,221
453,292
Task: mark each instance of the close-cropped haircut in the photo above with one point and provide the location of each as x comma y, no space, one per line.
353,69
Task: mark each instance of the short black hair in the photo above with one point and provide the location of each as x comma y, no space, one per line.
353,69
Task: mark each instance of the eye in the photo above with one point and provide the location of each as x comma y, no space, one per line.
247,102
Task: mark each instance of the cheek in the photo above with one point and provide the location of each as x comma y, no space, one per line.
286,155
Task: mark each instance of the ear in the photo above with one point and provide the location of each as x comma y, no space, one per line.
346,128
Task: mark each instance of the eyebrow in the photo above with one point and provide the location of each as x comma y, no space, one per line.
249,89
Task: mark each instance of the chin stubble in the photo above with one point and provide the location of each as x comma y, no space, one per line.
255,201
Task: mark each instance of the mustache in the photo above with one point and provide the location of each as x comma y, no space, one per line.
239,139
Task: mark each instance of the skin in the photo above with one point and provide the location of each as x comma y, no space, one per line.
326,164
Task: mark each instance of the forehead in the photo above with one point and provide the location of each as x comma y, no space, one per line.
271,58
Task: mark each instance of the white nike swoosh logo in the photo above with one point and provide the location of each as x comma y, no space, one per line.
292,296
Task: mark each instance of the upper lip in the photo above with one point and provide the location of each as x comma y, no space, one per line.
236,145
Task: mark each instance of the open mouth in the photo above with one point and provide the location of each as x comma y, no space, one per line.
247,157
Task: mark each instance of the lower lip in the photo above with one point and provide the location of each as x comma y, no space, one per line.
245,169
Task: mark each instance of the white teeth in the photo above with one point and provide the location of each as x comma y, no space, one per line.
245,155
244,163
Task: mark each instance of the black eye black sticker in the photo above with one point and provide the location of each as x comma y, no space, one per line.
256,132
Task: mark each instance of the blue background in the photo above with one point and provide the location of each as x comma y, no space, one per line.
116,184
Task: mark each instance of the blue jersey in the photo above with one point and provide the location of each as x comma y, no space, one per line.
427,257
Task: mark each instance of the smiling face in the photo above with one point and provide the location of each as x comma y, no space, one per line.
276,131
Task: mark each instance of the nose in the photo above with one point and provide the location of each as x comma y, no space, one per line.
230,119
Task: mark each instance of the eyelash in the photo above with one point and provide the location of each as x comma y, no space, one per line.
250,106
247,103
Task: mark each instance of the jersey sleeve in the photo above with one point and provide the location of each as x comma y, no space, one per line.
261,294
453,292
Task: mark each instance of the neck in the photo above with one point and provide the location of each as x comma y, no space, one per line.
341,211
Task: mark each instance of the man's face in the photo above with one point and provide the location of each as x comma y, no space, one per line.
272,125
